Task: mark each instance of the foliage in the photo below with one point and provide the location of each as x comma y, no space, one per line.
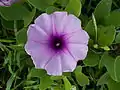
100,69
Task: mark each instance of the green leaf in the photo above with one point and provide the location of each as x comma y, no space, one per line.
32,87
112,65
108,62
103,57
112,18
73,88
29,82
67,84
15,12
28,19
57,88
92,59
52,9
37,73
112,85
83,2
103,79
74,7
78,69
80,77
67,74
63,2
102,9
85,19
117,39
56,77
8,59
21,36
18,59
106,48
10,24
7,24
90,29
41,4
10,81
106,35
117,68
17,47
45,82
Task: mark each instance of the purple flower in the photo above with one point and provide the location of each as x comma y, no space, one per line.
56,42
7,2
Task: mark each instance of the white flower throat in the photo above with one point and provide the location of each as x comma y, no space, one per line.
57,44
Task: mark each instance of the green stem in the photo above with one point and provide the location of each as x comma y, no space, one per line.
18,85
95,25
7,41
15,27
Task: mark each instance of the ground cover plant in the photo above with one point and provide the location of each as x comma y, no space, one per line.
96,49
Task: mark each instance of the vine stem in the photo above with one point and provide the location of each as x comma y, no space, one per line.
15,27
95,25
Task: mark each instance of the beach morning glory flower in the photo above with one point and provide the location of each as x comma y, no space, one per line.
7,2
56,42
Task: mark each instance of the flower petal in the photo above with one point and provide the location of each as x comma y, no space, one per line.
78,51
36,34
44,22
37,46
31,46
7,2
53,67
40,53
68,62
71,24
58,20
1,4
78,37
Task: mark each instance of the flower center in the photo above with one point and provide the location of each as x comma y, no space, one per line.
57,43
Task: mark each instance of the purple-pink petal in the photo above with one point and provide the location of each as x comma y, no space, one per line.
1,4
78,37
78,51
37,34
58,20
68,62
54,67
44,22
40,54
7,2
71,24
